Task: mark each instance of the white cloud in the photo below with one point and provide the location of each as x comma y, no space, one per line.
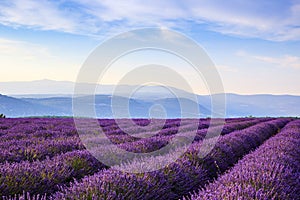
38,14
284,61
288,61
272,20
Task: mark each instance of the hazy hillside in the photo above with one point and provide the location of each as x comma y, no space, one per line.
137,107
13,107
46,97
237,105
49,88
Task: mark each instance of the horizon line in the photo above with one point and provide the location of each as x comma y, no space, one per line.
74,82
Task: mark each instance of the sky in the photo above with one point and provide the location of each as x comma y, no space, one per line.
255,45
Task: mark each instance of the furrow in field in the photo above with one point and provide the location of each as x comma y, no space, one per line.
270,172
45,177
179,178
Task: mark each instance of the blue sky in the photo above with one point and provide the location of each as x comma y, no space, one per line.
255,44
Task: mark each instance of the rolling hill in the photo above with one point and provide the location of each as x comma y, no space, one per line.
54,98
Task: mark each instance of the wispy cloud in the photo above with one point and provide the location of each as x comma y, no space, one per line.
288,61
35,14
284,61
271,20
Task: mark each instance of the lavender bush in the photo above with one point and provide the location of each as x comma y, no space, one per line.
270,172
45,159
177,179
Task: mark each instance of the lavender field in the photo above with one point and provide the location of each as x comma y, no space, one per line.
253,158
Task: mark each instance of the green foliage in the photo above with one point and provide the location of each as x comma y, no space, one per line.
2,115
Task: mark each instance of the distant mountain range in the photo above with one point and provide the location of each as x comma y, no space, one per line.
62,106
53,98
49,88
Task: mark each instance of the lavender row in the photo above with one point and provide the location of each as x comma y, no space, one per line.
178,178
155,143
169,127
31,125
45,177
228,150
232,147
39,148
270,172
11,129
228,128
41,127
25,150
131,143
52,128
32,131
34,148
202,129
134,134
146,145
